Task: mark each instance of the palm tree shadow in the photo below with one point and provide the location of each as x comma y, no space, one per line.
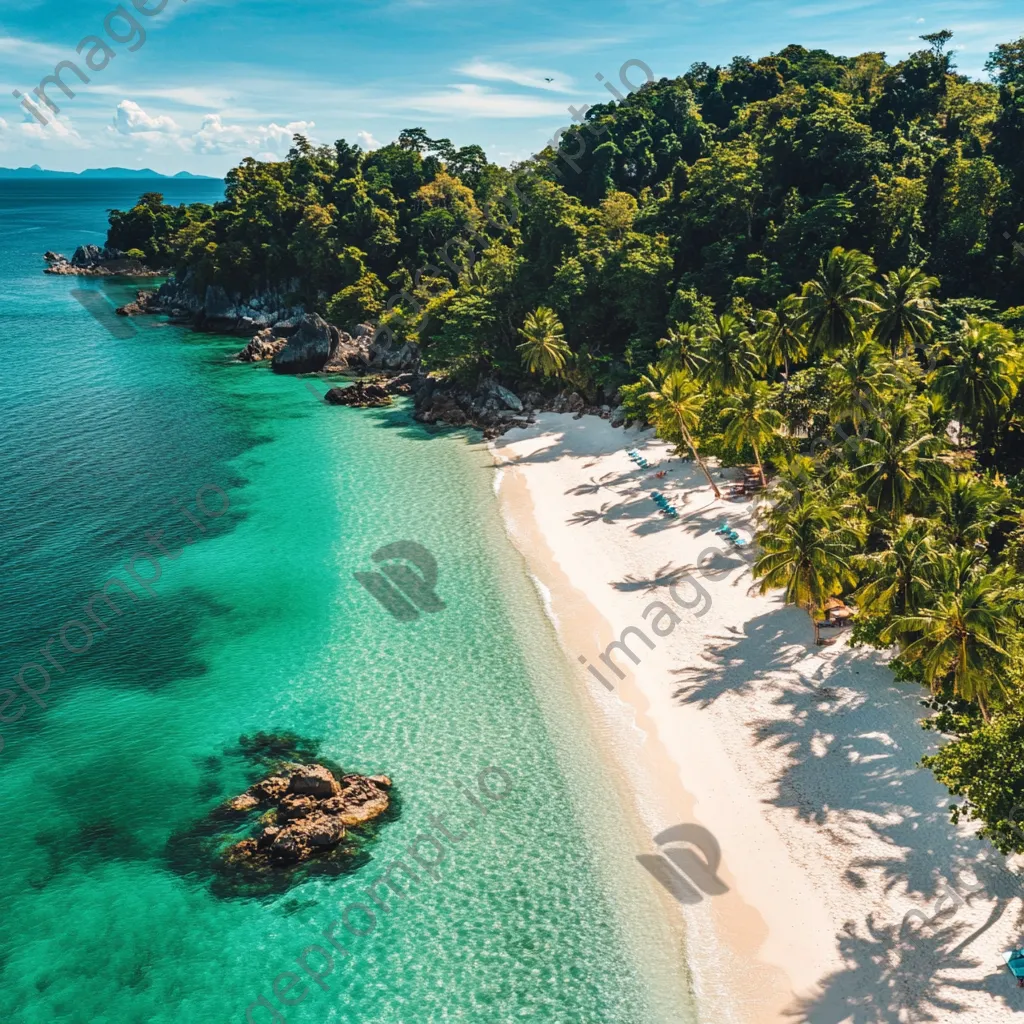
589,516
844,732
894,978
666,576
595,486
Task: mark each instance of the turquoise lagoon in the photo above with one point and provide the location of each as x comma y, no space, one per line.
540,913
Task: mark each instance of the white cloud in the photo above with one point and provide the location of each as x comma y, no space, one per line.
270,142
531,78
477,101
131,119
134,128
368,141
59,133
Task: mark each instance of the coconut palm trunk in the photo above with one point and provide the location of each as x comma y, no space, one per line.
760,466
699,460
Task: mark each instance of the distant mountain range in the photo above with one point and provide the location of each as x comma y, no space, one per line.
35,171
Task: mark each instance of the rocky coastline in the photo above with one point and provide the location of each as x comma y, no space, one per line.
92,261
294,341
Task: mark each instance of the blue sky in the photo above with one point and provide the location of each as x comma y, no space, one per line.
217,80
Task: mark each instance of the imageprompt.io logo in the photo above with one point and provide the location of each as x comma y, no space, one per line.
687,875
406,581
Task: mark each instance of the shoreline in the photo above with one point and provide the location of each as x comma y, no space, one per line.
829,832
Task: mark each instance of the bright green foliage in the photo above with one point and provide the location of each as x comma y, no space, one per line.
895,579
728,358
985,766
749,420
543,348
859,382
780,335
837,300
845,225
681,349
359,302
807,552
898,463
676,403
963,629
979,375
907,313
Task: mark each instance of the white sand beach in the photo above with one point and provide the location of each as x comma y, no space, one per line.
802,761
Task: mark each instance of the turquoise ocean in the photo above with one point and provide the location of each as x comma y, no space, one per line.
110,912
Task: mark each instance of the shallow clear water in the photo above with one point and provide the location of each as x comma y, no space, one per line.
537,913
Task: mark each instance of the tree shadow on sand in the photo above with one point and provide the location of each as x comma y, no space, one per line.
594,486
908,978
852,742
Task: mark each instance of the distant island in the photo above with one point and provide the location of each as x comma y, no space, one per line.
35,171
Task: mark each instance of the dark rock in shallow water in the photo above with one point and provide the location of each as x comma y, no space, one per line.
371,395
309,348
145,302
310,810
263,346
314,780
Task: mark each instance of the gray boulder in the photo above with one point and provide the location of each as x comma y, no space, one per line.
309,348
86,256
506,398
217,304
348,354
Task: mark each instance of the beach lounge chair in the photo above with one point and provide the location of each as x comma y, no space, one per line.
1015,961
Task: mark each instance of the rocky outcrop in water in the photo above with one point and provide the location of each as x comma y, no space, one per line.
361,395
145,302
92,261
309,810
262,346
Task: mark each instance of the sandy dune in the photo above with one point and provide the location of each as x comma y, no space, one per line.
801,762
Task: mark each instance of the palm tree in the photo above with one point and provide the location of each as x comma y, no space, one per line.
962,630
729,359
780,338
838,300
677,401
798,476
895,580
859,383
544,349
969,508
749,420
899,459
807,551
907,314
681,349
981,375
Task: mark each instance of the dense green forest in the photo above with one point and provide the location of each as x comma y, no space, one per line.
810,263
